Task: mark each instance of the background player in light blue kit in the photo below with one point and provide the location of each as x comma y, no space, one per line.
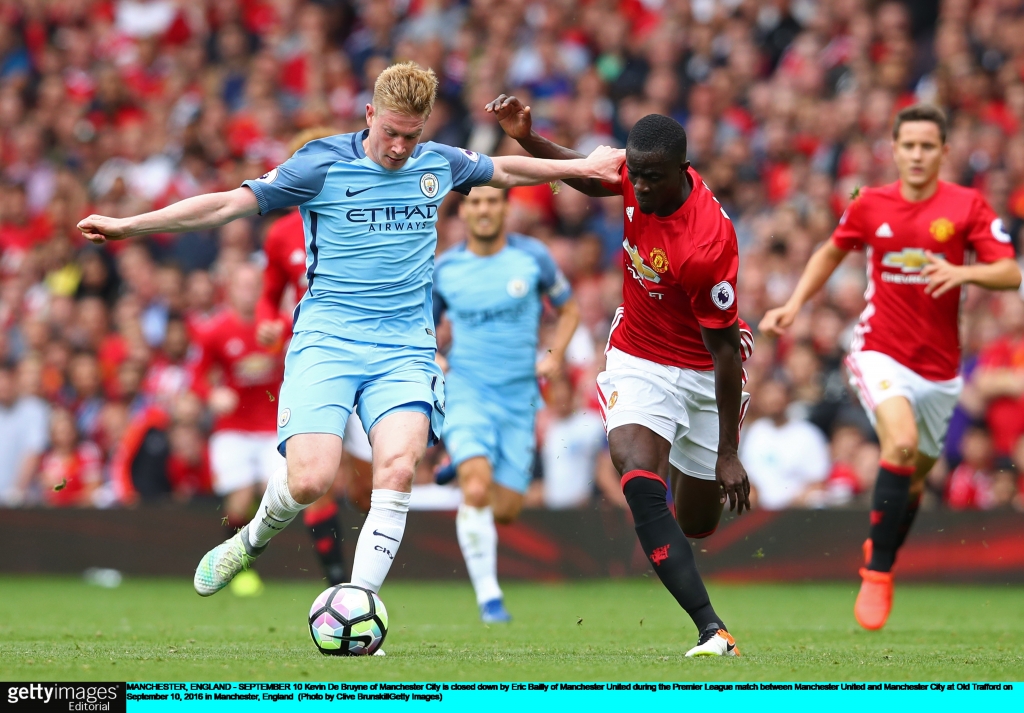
492,289
364,330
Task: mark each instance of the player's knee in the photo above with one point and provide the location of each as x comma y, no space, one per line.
476,493
309,479
901,449
395,473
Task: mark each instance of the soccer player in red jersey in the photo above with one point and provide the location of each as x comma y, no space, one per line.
285,251
905,356
674,356
243,447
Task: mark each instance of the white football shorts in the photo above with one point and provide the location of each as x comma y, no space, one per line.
677,404
242,458
876,377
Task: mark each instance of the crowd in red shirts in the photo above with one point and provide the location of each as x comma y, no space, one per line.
121,106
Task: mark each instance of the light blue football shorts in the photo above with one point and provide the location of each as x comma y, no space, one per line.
498,425
326,376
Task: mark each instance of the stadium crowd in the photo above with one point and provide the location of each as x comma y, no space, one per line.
121,106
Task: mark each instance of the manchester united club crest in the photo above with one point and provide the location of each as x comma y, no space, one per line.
659,261
612,400
942,229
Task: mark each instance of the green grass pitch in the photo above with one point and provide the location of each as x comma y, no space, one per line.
63,629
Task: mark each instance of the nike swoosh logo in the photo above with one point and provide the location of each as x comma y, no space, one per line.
349,192
381,534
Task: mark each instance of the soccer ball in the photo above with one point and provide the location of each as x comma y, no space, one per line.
347,620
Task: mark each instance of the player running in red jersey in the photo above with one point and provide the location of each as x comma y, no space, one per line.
243,446
285,251
674,356
903,363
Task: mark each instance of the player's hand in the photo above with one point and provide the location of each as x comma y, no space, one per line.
269,332
942,275
607,163
512,116
98,229
549,367
732,477
776,321
223,401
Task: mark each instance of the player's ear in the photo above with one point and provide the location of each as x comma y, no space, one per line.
369,114
684,166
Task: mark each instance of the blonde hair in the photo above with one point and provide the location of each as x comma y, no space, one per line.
305,136
406,88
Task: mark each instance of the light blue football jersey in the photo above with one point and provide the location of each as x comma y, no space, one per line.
370,234
494,304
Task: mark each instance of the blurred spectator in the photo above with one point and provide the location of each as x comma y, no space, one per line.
71,470
784,457
573,440
999,377
24,425
976,484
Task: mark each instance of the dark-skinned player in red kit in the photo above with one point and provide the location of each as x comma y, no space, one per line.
672,390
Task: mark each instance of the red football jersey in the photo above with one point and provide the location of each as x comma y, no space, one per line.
680,275
917,330
285,248
252,371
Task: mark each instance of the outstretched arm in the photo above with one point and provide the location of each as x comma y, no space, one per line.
819,268
724,346
568,320
510,171
211,210
516,121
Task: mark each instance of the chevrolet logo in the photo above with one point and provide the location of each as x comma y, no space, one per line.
907,260
638,263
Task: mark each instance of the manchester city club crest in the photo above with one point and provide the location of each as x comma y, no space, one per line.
284,418
517,287
429,185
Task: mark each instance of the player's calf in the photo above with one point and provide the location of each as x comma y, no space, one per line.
698,504
667,547
324,525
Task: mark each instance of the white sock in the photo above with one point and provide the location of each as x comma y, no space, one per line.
478,539
276,510
380,538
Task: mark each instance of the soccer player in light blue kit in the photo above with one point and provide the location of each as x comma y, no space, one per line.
492,288
364,330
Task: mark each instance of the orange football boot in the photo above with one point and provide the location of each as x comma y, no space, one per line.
874,602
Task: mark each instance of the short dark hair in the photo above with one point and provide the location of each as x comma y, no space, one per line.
921,112
658,134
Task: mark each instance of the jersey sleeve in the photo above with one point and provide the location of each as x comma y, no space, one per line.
710,280
849,234
617,188
552,282
294,182
469,168
987,236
